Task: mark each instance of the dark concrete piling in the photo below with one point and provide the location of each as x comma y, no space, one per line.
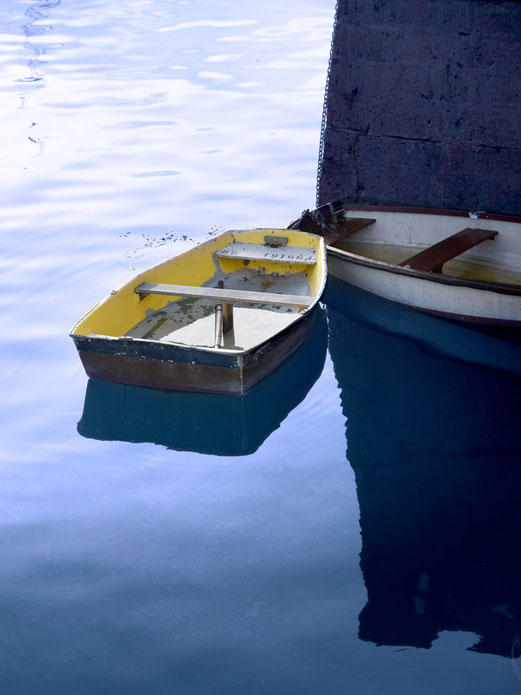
424,105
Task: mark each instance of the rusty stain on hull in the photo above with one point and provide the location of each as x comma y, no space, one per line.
236,373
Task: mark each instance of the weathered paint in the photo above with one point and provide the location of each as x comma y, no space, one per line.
123,309
171,367
109,353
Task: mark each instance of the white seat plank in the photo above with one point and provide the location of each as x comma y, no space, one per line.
224,295
264,252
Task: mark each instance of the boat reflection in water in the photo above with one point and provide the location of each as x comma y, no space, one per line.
435,447
218,424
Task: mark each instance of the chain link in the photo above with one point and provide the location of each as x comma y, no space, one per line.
324,110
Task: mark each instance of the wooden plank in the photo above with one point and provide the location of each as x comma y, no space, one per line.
348,226
354,224
431,260
344,229
224,295
262,252
329,237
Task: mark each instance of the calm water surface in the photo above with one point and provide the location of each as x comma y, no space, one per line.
349,527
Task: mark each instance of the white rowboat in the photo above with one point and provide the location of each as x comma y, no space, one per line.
460,265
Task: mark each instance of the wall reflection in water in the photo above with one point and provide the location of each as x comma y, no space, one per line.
435,446
222,425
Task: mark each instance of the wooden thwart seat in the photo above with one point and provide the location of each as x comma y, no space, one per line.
224,295
225,300
431,260
346,227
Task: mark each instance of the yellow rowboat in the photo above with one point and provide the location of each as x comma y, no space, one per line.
216,319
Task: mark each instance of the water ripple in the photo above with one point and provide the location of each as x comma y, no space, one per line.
131,132
209,23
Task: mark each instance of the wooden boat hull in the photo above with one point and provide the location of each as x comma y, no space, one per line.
473,290
469,343
179,368
440,295
219,425
174,337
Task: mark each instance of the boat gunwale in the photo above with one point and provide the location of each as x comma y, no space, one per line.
121,340
166,345
127,339
468,214
487,285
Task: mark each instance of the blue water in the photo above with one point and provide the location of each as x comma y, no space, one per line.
352,524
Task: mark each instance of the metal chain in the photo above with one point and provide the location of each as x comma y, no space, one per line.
324,110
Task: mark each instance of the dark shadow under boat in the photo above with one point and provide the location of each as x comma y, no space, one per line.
218,424
490,346
434,443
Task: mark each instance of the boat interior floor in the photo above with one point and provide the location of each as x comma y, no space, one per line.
191,321
460,267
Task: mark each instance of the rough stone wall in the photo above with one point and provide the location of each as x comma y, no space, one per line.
424,105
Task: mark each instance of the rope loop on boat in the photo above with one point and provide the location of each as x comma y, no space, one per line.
319,219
